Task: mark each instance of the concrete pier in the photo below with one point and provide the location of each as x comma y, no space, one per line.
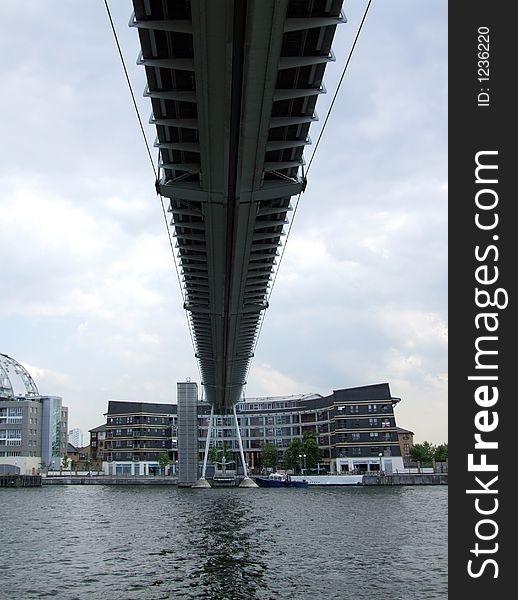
107,480
407,479
20,480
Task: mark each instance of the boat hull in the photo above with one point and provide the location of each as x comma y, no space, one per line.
279,483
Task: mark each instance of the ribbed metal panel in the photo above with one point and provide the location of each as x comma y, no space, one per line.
233,87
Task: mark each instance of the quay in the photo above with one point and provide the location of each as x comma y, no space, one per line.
407,479
108,480
20,480
393,479
313,480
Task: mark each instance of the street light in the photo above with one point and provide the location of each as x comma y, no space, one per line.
381,464
302,456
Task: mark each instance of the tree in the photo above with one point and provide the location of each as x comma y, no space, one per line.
64,461
163,460
221,457
423,453
216,455
291,456
441,453
311,450
307,445
268,455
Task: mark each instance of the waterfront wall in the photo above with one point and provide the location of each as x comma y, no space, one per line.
107,480
399,479
20,480
322,480
407,479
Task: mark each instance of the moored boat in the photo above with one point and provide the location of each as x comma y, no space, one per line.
278,480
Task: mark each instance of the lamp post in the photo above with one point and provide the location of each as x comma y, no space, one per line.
302,456
381,464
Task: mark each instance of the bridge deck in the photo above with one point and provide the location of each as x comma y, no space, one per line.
233,88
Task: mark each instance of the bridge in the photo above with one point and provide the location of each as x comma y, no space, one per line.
233,86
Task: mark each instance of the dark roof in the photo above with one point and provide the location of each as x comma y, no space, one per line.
71,449
100,428
401,430
116,407
376,391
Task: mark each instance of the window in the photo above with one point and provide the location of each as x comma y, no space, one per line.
373,408
374,434
373,422
11,437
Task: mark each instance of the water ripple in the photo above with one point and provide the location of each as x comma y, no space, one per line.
158,543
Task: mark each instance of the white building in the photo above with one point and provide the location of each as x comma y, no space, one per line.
75,437
32,427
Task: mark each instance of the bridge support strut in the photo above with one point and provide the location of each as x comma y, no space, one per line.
202,482
247,481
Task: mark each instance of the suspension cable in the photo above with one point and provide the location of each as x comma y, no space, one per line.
311,161
156,174
339,84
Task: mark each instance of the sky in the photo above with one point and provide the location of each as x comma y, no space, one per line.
90,302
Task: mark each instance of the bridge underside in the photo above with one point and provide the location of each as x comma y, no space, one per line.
233,87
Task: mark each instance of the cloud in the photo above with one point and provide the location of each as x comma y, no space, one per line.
88,287
47,379
265,380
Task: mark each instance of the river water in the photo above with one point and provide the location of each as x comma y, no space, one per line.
160,542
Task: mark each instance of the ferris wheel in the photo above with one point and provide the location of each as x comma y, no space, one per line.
8,367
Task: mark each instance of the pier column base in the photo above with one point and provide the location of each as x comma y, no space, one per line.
247,482
201,483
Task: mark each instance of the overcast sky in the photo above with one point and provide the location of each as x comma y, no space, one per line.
89,299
